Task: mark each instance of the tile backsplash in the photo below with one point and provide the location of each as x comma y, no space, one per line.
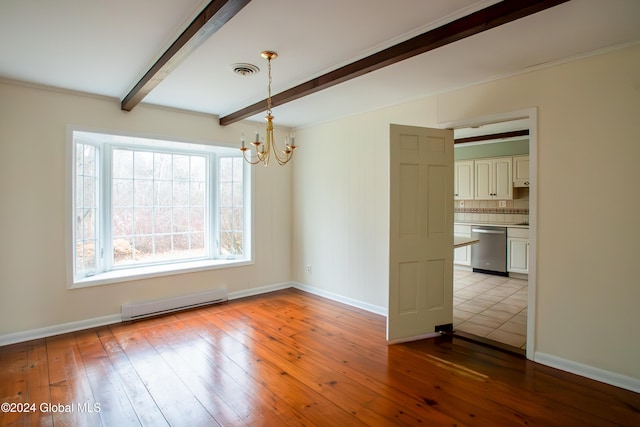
488,211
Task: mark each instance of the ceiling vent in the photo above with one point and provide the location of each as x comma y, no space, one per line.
245,69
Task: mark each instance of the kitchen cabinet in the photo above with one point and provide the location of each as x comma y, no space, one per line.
462,256
521,171
518,250
463,180
493,179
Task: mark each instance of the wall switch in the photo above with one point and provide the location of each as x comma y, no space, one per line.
502,203
461,204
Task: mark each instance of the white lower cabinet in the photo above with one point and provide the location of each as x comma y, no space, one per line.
518,250
462,256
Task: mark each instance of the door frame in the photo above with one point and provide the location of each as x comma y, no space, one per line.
531,115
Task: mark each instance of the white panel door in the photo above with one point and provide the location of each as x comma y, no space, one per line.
421,232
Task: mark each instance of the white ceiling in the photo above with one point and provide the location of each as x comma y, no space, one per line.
104,47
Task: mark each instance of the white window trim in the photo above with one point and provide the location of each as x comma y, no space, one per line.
158,270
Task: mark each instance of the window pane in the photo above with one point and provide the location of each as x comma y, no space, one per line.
162,220
86,209
122,192
122,219
142,165
123,251
237,169
231,209
197,219
162,166
226,243
89,191
197,194
226,191
237,243
162,246
143,221
143,192
197,243
180,167
122,164
181,193
226,169
144,248
180,218
163,194
89,164
236,198
198,170
89,224
180,243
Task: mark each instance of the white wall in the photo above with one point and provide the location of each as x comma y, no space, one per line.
33,130
588,128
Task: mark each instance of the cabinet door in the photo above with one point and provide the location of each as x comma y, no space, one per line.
521,171
462,256
463,184
518,255
484,180
503,182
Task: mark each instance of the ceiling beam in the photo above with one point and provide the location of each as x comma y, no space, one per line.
211,19
475,23
501,135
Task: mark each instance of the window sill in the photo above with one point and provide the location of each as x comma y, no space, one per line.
137,273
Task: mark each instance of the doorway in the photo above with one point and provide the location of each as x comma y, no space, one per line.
499,310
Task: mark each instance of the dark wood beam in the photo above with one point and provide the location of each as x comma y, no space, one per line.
475,23
211,19
501,135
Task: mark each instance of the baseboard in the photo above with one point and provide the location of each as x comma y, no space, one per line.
261,290
340,298
63,328
597,374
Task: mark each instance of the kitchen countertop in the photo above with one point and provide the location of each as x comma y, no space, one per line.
459,242
492,224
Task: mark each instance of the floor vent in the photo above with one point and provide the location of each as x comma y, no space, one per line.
133,311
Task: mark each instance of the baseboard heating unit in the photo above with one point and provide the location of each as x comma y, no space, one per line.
139,310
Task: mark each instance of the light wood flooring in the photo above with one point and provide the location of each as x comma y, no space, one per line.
288,358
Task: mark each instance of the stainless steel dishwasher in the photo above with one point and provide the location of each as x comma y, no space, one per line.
489,255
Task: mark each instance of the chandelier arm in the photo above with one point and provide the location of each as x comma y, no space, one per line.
248,160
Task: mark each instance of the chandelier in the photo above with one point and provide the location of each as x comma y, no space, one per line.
264,150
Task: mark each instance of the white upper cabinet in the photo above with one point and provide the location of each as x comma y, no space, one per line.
464,178
521,171
493,179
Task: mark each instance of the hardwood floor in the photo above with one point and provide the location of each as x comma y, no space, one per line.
288,358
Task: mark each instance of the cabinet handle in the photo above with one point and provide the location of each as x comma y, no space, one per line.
526,183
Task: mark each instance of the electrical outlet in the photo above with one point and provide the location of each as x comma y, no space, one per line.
461,204
308,268
502,204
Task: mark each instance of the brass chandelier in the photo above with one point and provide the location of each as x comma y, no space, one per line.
264,150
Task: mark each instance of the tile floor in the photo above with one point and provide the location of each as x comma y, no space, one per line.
489,306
